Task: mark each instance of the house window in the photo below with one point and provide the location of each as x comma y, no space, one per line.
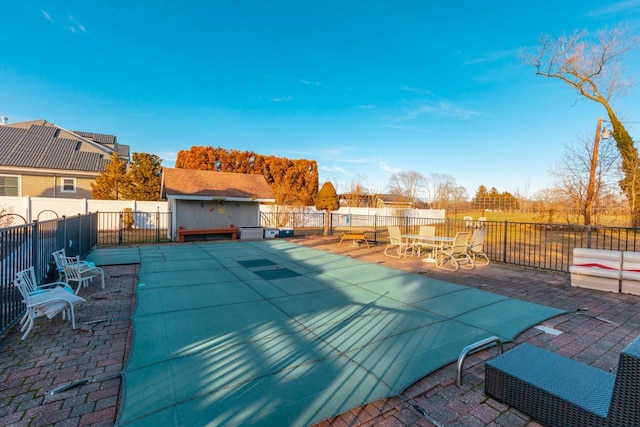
9,186
68,185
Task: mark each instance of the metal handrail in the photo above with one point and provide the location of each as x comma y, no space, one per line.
480,345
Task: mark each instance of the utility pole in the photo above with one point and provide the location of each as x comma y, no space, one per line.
588,203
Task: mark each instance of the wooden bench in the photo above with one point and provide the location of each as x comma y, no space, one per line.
206,231
559,391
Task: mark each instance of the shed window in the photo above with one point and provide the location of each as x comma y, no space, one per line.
68,185
9,186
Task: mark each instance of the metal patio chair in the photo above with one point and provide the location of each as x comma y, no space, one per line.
425,242
476,250
397,242
71,269
457,255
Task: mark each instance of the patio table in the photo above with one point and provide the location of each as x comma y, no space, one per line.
437,242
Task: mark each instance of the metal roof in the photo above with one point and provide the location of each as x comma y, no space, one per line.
40,147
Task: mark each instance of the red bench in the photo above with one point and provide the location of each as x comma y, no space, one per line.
204,231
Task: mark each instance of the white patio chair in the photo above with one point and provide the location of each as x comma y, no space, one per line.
457,255
59,258
396,241
468,221
44,300
75,271
425,242
80,271
476,249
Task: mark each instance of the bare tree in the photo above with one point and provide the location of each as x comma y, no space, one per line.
6,218
357,193
441,189
408,184
549,202
574,180
593,68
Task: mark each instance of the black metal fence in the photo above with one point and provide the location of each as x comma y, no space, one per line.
29,245
127,228
544,246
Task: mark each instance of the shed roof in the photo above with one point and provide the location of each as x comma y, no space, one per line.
207,185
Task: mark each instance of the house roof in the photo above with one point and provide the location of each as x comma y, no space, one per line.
43,145
207,185
393,199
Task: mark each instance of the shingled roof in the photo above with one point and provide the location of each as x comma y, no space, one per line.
208,185
40,144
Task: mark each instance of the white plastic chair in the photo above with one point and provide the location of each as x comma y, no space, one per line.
44,300
476,249
396,241
468,221
457,254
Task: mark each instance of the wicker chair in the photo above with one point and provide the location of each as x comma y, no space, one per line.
558,391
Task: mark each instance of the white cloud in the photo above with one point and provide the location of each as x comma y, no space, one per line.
385,167
335,168
492,56
437,107
75,25
282,99
617,7
46,15
168,158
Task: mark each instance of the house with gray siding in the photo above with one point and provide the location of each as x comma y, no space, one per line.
41,159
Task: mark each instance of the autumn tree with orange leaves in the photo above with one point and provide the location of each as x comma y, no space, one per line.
293,182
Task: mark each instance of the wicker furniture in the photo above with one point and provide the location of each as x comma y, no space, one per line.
562,392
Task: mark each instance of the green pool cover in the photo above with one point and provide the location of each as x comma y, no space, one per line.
271,333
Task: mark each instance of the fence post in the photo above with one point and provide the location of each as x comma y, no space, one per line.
505,240
120,228
158,225
588,235
65,241
375,228
35,259
80,240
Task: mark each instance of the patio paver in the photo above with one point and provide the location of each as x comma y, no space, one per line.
55,355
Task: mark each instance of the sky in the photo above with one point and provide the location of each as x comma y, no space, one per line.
367,89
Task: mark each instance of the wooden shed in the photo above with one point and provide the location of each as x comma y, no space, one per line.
211,200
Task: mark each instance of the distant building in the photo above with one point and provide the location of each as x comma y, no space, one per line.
208,199
41,159
374,201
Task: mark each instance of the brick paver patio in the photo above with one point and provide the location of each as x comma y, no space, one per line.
596,328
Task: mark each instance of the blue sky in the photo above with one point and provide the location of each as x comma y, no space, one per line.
365,88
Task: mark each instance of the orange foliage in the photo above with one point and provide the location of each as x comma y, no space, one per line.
293,182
